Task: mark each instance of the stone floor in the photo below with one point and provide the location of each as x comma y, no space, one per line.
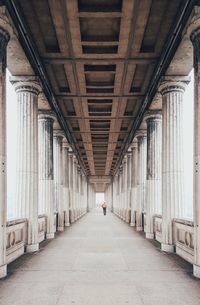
99,261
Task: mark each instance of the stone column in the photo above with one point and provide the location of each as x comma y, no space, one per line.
58,176
154,160
4,38
129,165
121,191
124,188
78,192
27,89
46,183
141,182
125,179
65,147
118,192
195,38
134,168
81,198
75,187
172,90
71,192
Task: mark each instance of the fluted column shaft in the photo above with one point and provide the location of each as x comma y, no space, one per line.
46,175
134,170
71,192
121,192
154,159
141,182
195,37
172,157
129,173
75,187
125,188
58,177
4,38
65,147
27,90
78,193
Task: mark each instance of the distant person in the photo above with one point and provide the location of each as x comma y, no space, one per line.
104,207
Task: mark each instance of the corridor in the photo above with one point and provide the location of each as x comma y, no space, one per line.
99,261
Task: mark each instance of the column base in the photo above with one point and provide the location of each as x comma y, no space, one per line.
196,271
167,248
132,224
60,229
149,235
32,248
3,271
50,236
139,229
67,224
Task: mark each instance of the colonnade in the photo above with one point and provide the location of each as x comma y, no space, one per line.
160,143
157,160
49,178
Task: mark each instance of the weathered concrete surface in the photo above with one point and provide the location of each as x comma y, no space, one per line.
100,261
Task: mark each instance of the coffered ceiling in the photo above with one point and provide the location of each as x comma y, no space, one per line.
100,57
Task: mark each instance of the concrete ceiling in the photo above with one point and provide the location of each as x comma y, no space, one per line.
100,56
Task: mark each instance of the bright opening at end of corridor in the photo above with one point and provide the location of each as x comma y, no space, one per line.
100,197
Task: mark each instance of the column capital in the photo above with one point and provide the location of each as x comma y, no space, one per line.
172,83
46,114
156,103
4,38
129,152
193,27
65,144
124,159
70,152
153,115
134,143
58,133
26,84
141,133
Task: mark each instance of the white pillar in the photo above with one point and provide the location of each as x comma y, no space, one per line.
46,172
124,193
71,174
195,38
134,169
121,191
4,38
75,187
154,159
129,165
27,89
172,90
78,192
65,147
141,182
58,176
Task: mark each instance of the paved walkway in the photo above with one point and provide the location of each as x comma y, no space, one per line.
99,261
